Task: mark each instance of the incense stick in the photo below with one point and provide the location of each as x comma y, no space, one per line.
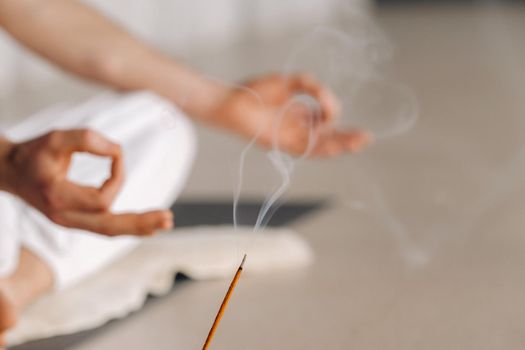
224,305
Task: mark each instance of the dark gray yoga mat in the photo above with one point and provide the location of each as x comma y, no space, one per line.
220,212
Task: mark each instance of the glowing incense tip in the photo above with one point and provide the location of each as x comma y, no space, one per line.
224,305
242,262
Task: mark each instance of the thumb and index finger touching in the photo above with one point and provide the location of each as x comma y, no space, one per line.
74,196
88,207
328,102
331,142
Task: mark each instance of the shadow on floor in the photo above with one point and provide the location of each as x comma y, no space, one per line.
220,212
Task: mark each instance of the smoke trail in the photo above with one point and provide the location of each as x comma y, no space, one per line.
349,64
242,160
413,254
507,179
283,163
493,185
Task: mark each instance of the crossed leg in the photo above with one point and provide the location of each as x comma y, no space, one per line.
32,278
158,155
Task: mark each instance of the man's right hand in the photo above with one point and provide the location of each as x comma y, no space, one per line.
36,171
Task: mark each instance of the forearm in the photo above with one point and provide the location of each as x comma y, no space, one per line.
82,41
5,149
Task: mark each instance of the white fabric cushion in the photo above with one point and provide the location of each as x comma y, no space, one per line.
200,253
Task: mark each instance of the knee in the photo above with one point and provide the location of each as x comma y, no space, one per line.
183,139
174,134
172,129
159,157
152,129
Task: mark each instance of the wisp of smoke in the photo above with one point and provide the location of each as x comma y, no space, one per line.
348,61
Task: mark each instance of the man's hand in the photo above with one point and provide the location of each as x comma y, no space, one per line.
37,172
265,109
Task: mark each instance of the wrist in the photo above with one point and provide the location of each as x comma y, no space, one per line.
209,101
197,95
6,149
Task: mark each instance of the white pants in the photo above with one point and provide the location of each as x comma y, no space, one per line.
158,145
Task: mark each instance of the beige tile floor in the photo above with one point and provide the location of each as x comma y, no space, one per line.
449,189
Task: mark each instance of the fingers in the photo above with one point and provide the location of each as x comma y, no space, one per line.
66,195
111,186
69,196
330,106
82,207
331,142
337,142
307,140
89,141
108,224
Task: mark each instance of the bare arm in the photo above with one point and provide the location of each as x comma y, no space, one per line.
83,42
